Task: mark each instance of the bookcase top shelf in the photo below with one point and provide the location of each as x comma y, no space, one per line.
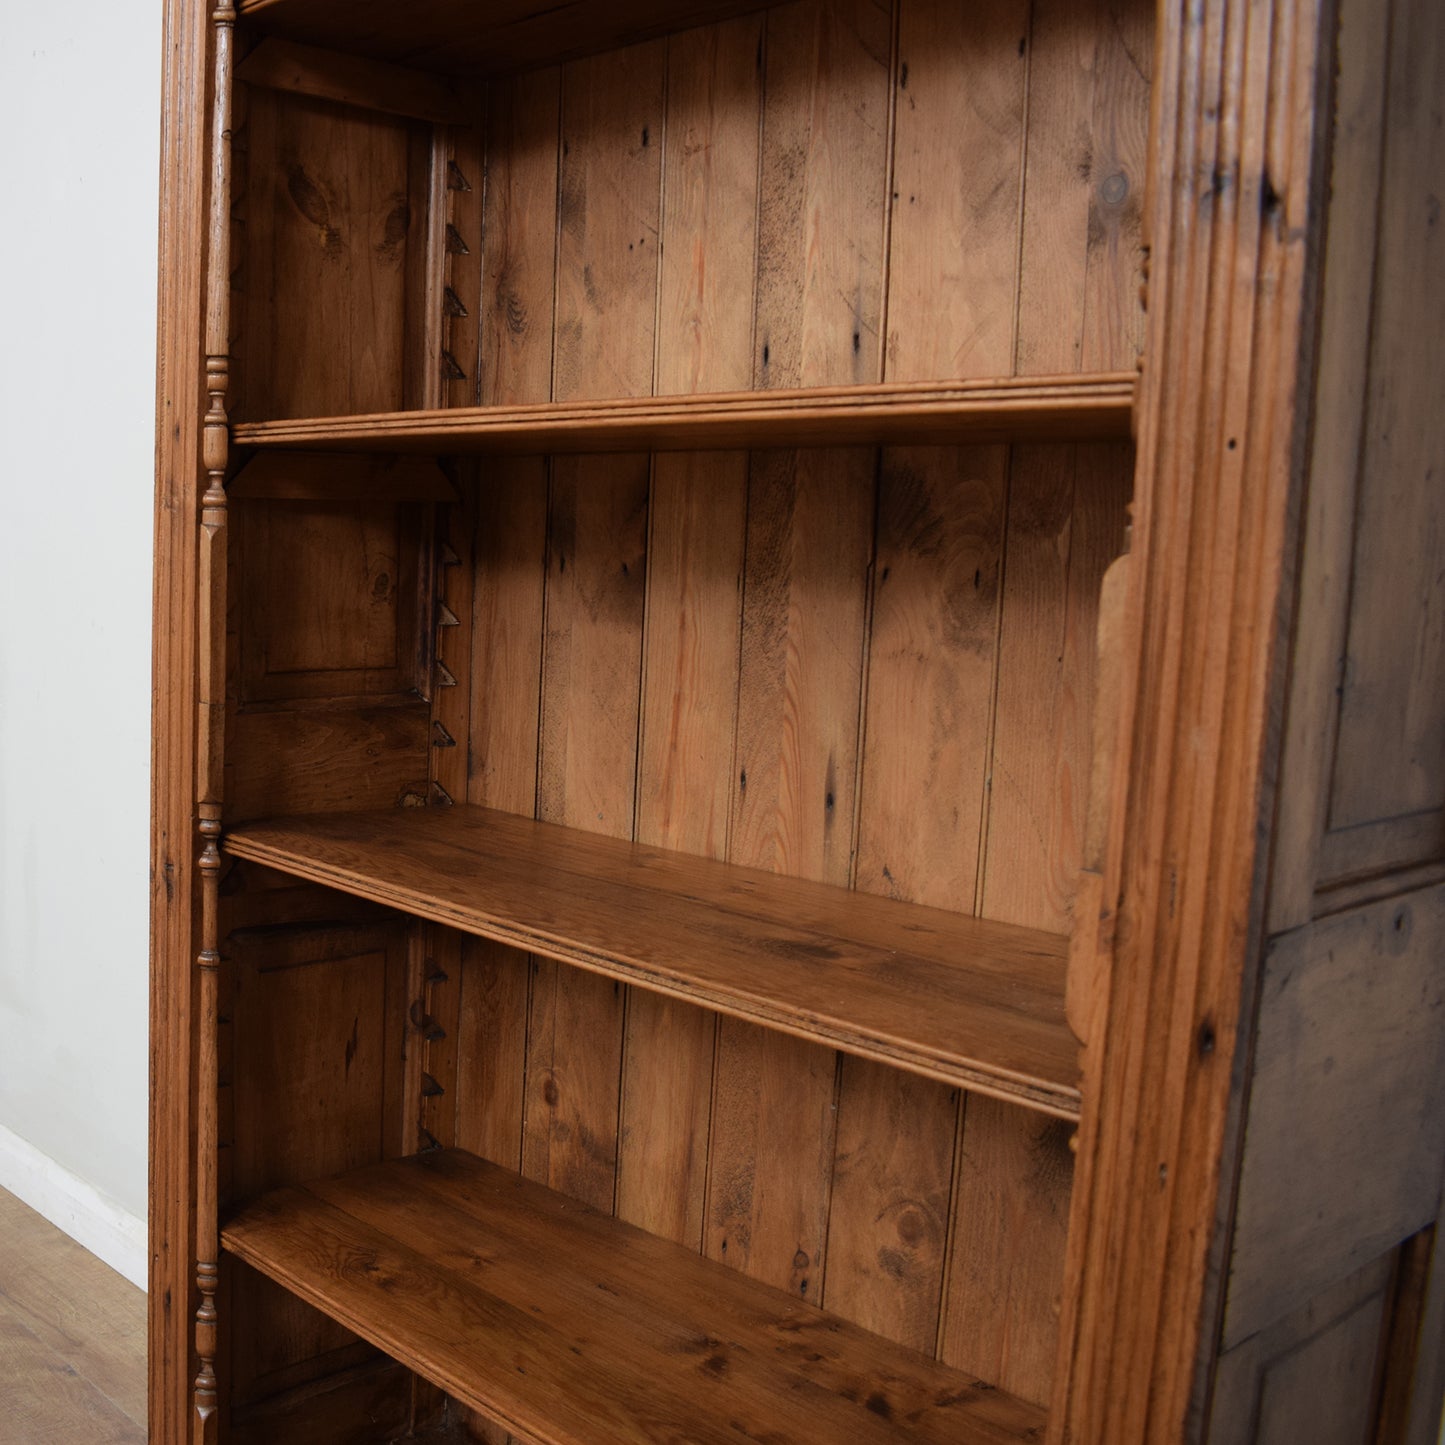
568,1326
460,37
974,1003
1073,408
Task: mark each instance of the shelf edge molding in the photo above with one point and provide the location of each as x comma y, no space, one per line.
1070,408
973,1003
565,1325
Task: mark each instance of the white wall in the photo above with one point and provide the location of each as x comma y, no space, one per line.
79,149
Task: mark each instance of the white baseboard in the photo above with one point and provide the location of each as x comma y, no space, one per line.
89,1217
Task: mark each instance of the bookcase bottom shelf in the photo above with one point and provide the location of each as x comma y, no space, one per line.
569,1327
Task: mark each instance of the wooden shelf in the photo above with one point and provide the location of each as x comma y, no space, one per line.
569,1327
974,1003
1070,408
460,37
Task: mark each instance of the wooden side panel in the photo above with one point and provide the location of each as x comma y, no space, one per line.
317,1018
328,228
1363,796
1390,758
1349,1085
331,601
1313,1375
328,655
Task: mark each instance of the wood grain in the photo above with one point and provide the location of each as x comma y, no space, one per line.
568,1326
74,1331
958,179
350,80
1390,750
1349,1083
927,412
519,263
770,1158
586,777
328,232
709,211
684,793
930,673
608,223
1352,235
1192,784
889,1212
505,681
459,39
370,757
1316,1369
822,194
810,525
966,1001
1006,1264
1066,524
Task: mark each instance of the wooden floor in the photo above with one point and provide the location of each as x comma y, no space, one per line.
72,1340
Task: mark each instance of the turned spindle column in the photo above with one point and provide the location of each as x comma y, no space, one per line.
211,565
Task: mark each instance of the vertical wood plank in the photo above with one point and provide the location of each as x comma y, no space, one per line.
956,189
699,507
771,1157
930,682
1058,184
586,779
329,205
1080,266
931,665
1113,336
1066,524
709,219
596,558
810,528
1011,1219
506,626
689,714
609,198
690,697
888,1227
809,543
823,194
519,268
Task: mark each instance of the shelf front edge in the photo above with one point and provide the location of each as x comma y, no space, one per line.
1050,1092
1060,409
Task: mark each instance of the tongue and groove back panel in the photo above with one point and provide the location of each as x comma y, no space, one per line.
868,666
